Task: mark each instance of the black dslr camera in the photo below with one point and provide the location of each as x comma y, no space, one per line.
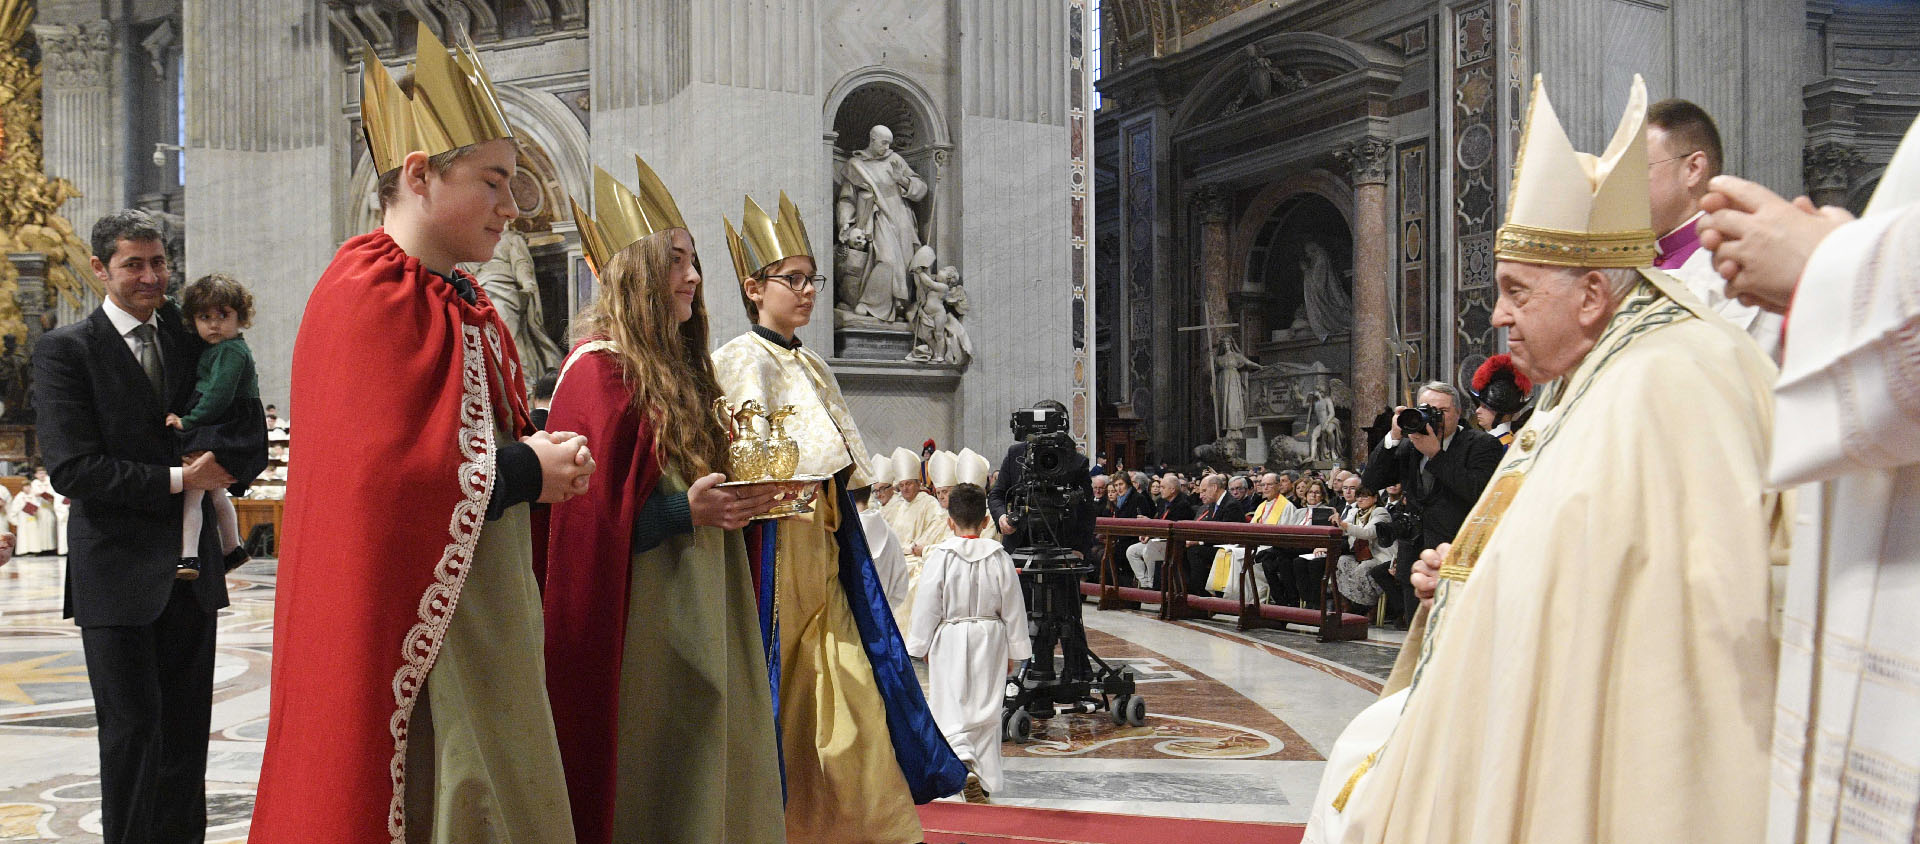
1424,419
1050,490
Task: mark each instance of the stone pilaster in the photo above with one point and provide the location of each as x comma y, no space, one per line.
1369,161
1216,271
82,142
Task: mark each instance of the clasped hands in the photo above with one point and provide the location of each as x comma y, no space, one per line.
1760,241
566,466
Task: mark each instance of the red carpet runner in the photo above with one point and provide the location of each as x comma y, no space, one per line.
953,823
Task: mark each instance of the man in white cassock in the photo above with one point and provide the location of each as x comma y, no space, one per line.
1594,666
888,560
970,624
1846,749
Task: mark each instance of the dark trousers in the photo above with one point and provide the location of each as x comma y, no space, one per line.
1398,588
1199,565
1279,586
153,695
1305,575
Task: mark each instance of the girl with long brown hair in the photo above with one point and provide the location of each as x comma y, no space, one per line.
653,635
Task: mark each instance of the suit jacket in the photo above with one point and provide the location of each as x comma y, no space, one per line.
1237,510
104,439
1134,506
1180,509
1078,529
1460,472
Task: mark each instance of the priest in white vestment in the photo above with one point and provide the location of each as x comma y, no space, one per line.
1595,664
1846,734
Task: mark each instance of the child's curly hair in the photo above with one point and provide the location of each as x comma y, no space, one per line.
213,292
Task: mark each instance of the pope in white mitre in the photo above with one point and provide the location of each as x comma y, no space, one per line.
1596,661
1846,750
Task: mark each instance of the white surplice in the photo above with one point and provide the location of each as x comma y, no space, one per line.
968,620
889,562
1846,749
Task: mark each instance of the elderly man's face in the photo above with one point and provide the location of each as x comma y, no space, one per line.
1270,486
1210,489
910,489
883,492
1552,316
1350,488
1099,488
1237,488
1169,487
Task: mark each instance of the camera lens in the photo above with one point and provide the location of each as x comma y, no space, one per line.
1411,421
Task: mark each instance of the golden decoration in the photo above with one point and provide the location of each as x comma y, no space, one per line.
1528,439
1479,526
30,200
626,216
453,104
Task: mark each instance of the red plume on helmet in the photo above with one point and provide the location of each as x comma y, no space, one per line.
1498,384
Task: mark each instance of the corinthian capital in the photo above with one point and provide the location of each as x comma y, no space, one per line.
76,56
1367,160
1829,166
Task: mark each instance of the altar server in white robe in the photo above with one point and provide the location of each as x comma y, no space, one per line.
1595,663
970,624
35,524
1846,748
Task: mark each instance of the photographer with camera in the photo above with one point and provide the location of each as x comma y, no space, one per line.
1062,490
1440,466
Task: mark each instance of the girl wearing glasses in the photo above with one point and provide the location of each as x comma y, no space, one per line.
859,745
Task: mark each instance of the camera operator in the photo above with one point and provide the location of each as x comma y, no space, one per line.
1440,466
1396,580
1077,529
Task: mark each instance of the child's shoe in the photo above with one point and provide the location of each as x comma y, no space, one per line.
189,569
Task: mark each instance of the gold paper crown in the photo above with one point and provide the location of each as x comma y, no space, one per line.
626,217
453,104
1570,209
763,241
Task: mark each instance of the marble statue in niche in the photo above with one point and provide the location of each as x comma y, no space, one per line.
890,302
871,216
508,278
1230,369
1328,302
1323,432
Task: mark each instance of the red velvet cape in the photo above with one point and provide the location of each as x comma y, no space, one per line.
589,557
392,376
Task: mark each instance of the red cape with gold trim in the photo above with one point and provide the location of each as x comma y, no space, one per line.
398,430
589,557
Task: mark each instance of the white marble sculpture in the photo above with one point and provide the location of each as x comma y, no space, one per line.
873,189
1323,432
959,345
509,281
929,313
1329,304
1230,369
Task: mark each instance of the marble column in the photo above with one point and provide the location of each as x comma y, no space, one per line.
31,292
1828,168
1210,207
1369,160
82,142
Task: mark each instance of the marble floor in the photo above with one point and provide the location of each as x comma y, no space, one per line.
1237,722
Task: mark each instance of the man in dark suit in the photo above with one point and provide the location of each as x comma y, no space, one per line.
102,390
1216,505
1442,470
1240,501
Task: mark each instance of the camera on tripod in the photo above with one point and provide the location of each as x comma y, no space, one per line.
1052,484
1424,419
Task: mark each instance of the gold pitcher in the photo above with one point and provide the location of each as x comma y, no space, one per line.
783,452
747,450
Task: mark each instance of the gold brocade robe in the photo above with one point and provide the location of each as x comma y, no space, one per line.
844,784
1597,664
751,367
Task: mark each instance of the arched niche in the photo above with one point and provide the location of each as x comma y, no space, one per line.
874,96
1275,251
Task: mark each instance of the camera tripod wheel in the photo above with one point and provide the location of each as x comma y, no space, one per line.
1128,710
1019,727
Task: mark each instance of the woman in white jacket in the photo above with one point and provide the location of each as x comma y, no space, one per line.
1353,575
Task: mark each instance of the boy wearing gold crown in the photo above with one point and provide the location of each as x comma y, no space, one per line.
859,746
663,709
408,694
1593,665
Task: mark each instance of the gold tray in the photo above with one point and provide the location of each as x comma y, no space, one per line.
797,494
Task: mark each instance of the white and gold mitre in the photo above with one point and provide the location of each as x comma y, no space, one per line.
906,465
626,217
880,469
973,468
1570,209
762,240
453,104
